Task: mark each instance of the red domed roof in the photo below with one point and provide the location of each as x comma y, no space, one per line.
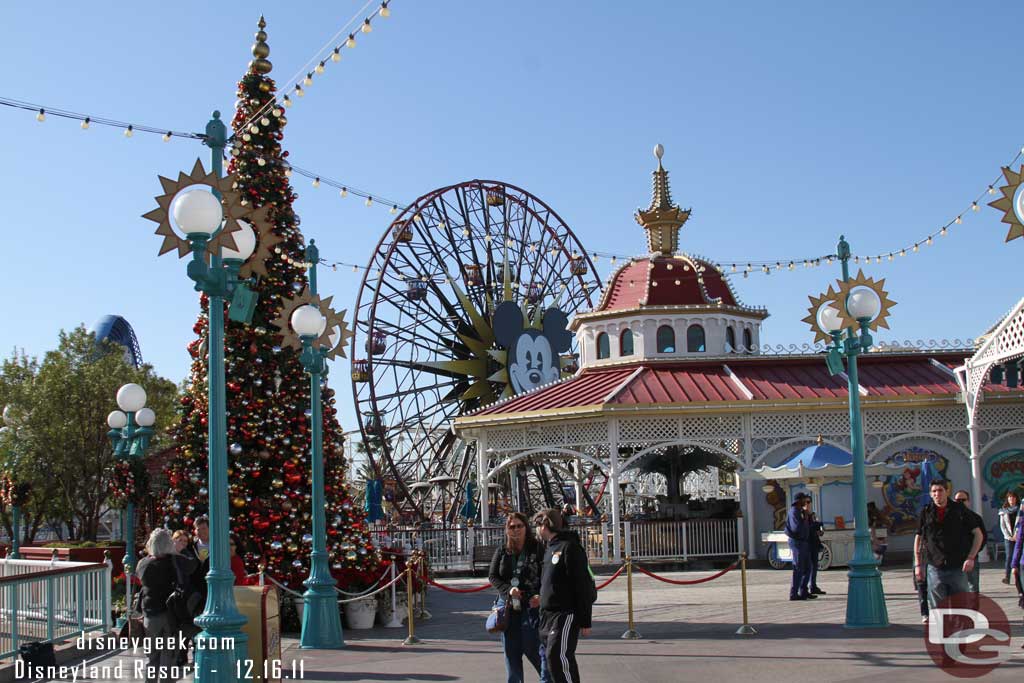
679,280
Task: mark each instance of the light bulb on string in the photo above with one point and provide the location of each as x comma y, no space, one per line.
129,131
287,101
85,123
366,28
890,257
344,192
351,42
959,220
974,206
41,116
299,91
287,171
369,201
991,190
355,269
613,259
393,210
308,80
316,182
385,11
319,68
916,247
929,240
336,55
903,252
943,231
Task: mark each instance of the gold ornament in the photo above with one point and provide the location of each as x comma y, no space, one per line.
260,51
817,302
1011,204
878,288
238,502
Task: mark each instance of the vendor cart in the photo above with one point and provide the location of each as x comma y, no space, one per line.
825,472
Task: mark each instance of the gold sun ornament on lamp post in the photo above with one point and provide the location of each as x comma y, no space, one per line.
1012,202
855,293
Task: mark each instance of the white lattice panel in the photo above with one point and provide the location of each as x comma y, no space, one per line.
702,427
778,424
651,429
828,423
888,421
941,419
1005,417
545,436
586,432
504,439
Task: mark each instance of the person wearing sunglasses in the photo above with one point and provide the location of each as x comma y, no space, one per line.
515,575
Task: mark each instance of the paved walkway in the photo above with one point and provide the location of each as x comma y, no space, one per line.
688,633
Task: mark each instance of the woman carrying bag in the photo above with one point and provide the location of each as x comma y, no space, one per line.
515,575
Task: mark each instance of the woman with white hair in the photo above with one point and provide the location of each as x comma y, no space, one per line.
159,572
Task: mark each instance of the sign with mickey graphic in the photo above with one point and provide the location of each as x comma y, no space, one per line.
533,353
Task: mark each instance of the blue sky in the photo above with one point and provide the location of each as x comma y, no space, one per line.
785,124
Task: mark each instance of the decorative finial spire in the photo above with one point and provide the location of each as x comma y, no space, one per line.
260,51
662,219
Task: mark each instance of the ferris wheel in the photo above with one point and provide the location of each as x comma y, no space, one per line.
425,348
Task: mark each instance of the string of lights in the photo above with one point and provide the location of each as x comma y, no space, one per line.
298,84
88,120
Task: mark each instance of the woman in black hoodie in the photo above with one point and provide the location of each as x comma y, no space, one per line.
515,574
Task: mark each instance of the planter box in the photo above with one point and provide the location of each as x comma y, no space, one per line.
361,613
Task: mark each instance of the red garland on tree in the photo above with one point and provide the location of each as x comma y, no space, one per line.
267,391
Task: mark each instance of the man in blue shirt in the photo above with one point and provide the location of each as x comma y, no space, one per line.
798,529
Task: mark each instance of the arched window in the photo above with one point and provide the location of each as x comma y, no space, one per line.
695,339
602,346
626,343
730,340
748,342
666,339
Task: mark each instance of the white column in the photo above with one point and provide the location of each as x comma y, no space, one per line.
482,480
748,484
578,484
613,461
514,488
972,429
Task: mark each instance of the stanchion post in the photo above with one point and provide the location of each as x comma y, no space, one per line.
395,621
746,629
411,639
424,614
263,577
630,634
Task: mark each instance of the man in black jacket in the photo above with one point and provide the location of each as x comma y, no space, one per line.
950,537
565,595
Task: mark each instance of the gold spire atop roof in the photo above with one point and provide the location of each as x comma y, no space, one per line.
260,51
662,219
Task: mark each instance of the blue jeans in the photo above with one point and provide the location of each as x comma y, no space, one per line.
521,637
1008,547
812,570
943,583
801,568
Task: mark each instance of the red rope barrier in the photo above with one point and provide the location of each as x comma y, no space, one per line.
614,576
435,584
687,583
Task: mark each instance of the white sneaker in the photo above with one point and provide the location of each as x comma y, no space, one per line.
924,620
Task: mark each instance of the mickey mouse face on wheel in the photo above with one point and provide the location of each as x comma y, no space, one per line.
533,354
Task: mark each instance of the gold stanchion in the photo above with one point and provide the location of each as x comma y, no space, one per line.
746,629
630,634
424,614
412,639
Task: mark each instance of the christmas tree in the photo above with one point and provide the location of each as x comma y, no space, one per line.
268,431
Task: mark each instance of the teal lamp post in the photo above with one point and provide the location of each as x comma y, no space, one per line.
131,428
310,325
844,319
208,211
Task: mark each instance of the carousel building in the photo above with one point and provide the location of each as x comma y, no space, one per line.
671,365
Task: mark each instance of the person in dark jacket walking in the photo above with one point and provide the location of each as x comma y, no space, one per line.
565,595
798,529
1008,526
950,538
159,573
515,574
